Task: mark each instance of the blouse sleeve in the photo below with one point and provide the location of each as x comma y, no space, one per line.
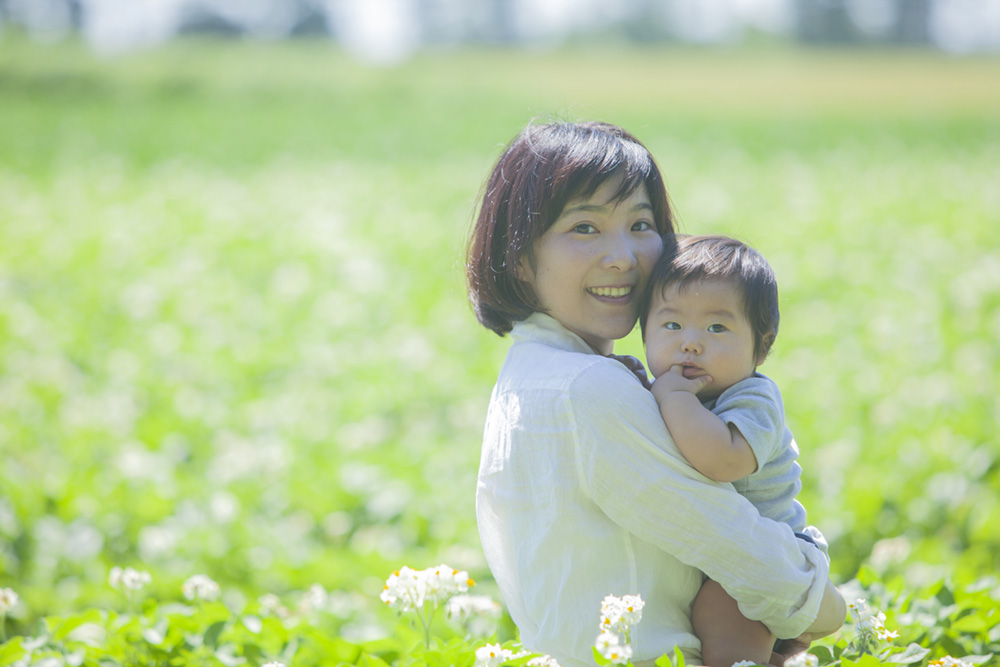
634,472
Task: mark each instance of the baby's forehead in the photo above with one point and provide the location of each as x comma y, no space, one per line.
687,287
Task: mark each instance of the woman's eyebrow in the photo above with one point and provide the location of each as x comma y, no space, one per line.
587,207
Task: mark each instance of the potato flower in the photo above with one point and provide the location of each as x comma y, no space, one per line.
478,613
422,591
128,579
870,628
8,600
621,614
611,648
492,655
200,587
948,661
408,589
802,660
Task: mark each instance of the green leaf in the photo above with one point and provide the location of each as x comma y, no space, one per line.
90,634
70,623
368,660
212,634
912,653
598,658
824,653
664,661
11,652
227,656
866,660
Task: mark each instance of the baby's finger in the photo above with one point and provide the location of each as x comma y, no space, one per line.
701,382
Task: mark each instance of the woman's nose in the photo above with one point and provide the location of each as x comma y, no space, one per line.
620,253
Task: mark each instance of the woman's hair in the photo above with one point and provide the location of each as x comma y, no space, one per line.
698,258
543,168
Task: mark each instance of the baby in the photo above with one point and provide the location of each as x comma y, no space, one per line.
709,321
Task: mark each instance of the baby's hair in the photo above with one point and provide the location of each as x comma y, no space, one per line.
699,258
543,168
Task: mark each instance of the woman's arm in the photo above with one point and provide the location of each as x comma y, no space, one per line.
635,473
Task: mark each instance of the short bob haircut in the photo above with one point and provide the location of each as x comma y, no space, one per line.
699,258
544,167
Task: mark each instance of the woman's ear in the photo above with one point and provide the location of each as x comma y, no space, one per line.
524,271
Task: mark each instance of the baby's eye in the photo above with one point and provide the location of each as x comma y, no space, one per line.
716,328
673,326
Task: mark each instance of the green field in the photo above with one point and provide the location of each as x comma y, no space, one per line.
234,338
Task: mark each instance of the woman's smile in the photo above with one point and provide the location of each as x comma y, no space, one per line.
618,293
590,265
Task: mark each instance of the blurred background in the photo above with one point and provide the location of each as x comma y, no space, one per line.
234,338
392,30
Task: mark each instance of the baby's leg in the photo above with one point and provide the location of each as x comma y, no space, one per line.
726,635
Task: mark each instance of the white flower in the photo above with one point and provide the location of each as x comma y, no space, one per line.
442,582
492,655
408,589
948,661
271,603
610,647
404,590
128,579
605,641
802,660
315,599
479,613
200,587
620,614
8,600
543,661
463,607
745,663
273,664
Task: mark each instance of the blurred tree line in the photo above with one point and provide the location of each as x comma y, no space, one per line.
453,22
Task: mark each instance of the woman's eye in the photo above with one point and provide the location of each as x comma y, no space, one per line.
642,226
716,328
584,228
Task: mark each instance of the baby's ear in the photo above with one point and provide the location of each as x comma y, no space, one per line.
765,346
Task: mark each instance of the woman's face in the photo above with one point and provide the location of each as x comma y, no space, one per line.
590,267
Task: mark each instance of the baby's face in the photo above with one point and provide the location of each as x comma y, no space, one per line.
703,328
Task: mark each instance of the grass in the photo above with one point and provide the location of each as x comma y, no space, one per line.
234,336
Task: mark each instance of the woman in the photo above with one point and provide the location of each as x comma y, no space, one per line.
581,491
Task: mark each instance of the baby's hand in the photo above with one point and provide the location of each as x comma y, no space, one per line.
674,380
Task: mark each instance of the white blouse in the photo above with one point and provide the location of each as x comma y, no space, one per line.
583,494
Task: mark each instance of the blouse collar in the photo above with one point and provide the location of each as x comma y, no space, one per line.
545,329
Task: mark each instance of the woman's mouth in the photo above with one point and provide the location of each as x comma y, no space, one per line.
610,292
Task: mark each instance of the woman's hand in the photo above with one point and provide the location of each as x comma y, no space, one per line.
786,648
635,366
832,614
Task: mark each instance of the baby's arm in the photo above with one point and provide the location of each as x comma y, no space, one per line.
715,449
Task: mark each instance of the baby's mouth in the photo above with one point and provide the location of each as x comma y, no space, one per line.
691,370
